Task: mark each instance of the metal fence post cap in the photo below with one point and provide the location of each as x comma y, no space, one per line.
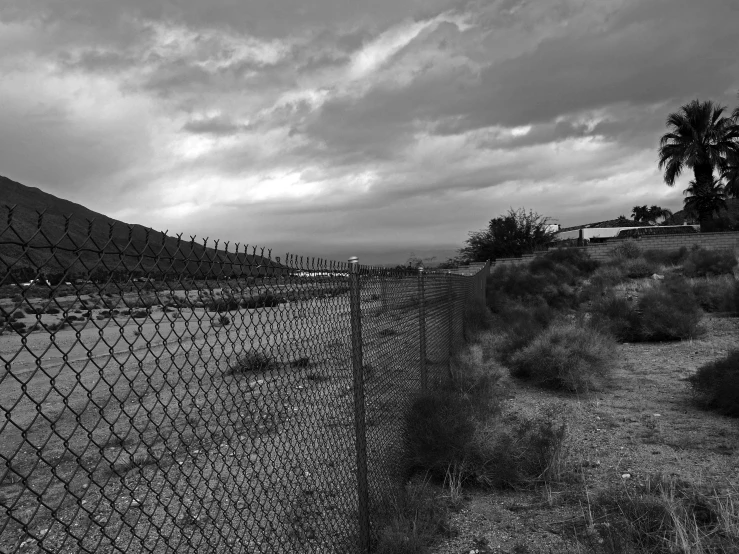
420,269
353,260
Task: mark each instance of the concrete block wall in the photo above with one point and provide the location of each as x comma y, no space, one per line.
602,251
711,241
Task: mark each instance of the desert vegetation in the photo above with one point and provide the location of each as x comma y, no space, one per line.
508,422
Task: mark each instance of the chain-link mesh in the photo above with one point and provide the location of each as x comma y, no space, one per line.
160,395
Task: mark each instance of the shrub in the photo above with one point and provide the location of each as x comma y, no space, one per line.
717,295
617,316
627,250
669,312
267,299
252,361
664,313
666,257
519,325
638,268
702,263
547,280
565,356
717,384
52,310
139,314
18,315
476,319
607,276
18,326
574,257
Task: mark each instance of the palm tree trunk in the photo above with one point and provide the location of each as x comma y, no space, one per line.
704,178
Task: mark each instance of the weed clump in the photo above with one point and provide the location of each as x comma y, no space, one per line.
565,356
705,263
251,362
717,384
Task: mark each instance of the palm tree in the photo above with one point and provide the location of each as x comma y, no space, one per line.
656,213
730,172
700,138
705,200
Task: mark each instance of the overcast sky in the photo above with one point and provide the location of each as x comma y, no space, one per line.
338,127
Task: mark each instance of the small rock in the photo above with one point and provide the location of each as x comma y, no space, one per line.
626,476
657,276
657,415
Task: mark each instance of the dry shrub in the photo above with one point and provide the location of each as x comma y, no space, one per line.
607,276
717,384
627,250
518,326
638,268
705,263
670,312
477,319
565,356
664,313
617,316
717,294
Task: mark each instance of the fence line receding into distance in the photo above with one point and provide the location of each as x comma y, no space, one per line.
160,395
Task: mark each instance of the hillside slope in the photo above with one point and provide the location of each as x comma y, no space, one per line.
76,243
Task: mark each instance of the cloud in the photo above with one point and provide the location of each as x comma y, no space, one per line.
334,127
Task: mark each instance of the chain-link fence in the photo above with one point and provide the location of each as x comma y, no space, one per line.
160,395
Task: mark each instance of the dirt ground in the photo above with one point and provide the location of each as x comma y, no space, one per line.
642,424
131,435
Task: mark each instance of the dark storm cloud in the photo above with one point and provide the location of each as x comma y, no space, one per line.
376,123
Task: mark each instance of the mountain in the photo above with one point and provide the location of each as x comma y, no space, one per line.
74,238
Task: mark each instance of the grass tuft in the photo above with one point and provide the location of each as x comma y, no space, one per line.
418,518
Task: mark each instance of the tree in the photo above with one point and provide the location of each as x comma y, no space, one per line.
509,235
703,201
640,214
701,139
650,215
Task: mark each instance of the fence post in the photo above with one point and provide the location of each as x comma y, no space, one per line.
450,309
359,416
422,328
383,291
